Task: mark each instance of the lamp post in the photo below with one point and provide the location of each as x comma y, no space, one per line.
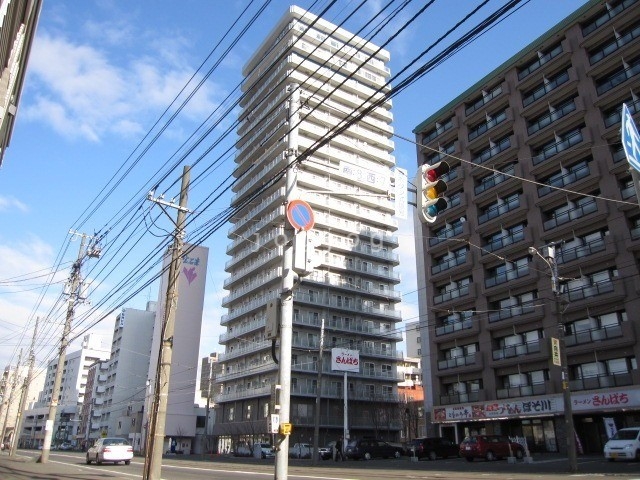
550,260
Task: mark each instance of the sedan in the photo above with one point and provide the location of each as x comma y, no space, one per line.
370,448
110,449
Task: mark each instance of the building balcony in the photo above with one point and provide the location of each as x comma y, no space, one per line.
246,349
465,363
343,325
242,329
257,282
510,275
454,293
358,287
345,305
250,371
525,312
274,217
506,244
558,146
248,307
523,391
243,393
543,62
513,354
455,398
607,338
496,126
572,177
450,231
448,265
496,151
601,381
554,87
506,212
593,251
488,183
475,108
461,328
562,217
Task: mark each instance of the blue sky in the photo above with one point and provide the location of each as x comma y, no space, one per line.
100,75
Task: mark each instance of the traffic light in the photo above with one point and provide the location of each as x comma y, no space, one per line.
432,187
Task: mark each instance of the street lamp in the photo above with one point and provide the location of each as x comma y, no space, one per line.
550,260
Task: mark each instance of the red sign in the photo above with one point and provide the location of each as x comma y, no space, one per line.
300,215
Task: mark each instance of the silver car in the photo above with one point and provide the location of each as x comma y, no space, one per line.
110,449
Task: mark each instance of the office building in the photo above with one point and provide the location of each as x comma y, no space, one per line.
536,158
352,286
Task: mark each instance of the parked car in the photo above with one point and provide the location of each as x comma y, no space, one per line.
65,446
300,450
625,444
110,449
490,447
367,449
263,450
433,447
325,453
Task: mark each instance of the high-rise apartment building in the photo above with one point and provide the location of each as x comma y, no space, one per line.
536,158
346,182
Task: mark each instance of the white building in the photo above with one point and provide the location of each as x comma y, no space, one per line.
70,397
120,391
181,418
346,182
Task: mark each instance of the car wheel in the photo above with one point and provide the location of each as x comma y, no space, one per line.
397,454
98,462
432,455
88,460
127,462
469,459
490,456
519,454
367,456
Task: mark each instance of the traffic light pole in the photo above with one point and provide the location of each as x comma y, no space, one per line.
286,297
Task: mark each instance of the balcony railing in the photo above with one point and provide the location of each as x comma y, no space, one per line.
546,87
483,100
455,362
445,234
617,77
601,381
551,149
436,132
488,125
613,45
454,327
495,211
547,119
614,115
451,294
577,173
512,311
492,151
573,214
541,60
569,254
501,242
521,391
593,335
516,350
607,15
459,398
504,277
494,179
589,291
449,263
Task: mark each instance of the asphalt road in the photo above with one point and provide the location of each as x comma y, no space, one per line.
71,465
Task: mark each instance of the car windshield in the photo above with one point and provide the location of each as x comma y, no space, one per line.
115,441
625,435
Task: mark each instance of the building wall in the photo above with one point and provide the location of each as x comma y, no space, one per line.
536,158
181,418
352,287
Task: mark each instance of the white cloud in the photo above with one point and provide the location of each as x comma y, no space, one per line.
11,203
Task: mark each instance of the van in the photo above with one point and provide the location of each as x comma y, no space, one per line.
433,447
624,445
490,447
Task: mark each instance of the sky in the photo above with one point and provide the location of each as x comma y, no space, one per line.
102,73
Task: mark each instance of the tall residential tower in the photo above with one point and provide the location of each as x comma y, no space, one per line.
346,182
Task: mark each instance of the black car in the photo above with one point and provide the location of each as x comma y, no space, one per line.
433,447
367,449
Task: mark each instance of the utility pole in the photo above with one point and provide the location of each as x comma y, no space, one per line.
153,454
75,284
206,418
288,281
14,384
550,260
25,391
316,423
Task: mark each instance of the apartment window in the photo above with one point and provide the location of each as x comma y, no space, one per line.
486,125
499,207
504,173
543,88
507,235
439,129
555,113
613,44
487,96
543,57
230,414
618,76
608,12
565,176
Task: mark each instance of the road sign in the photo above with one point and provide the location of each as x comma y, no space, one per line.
630,138
300,215
555,351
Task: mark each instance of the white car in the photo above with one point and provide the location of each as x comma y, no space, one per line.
624,445
110,449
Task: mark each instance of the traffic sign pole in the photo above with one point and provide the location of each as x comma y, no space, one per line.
631,145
